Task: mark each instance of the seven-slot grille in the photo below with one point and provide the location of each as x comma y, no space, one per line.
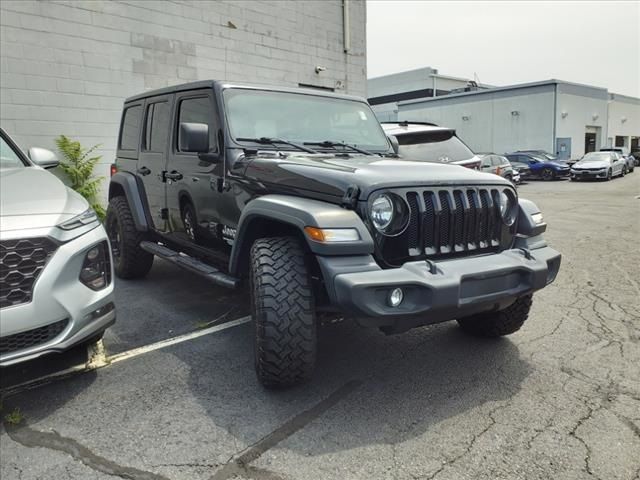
453,220
21,262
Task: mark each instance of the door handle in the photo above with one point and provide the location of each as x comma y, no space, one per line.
144,171
174,175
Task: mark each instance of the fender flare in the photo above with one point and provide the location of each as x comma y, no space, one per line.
299,213
526,225
134,193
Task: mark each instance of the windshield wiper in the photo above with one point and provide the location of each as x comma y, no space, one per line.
274,141
329,143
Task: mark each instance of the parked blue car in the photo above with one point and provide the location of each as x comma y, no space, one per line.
541,166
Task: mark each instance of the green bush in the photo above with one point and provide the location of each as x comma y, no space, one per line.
78,165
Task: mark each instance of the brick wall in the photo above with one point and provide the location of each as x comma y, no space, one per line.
66,66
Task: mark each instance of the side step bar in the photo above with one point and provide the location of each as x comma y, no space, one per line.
191,264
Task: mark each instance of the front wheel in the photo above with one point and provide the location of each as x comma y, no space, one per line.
500,323
609,175
129,260
548,174
624,171
283,311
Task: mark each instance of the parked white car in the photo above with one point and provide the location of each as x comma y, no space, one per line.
56,274
604,165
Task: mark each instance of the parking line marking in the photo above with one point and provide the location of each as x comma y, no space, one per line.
118,357
98,359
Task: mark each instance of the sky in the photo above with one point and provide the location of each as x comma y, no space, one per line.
508,42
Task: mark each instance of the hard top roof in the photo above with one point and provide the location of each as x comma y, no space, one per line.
211,83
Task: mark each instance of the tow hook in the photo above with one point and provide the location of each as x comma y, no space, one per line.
527,253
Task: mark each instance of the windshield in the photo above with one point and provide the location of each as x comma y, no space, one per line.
8,157
440,148
302,118
596,157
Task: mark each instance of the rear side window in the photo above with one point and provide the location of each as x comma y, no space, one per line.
433,147
130,132
198,110
156,127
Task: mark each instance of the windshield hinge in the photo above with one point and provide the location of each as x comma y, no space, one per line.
350,197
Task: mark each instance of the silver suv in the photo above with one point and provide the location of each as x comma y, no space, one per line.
56,287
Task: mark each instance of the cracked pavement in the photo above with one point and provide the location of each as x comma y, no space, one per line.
559,399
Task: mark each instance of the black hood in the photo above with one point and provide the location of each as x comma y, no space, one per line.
333,175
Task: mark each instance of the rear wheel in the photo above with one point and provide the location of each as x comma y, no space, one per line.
498,324
190,222
283,311
129,260
548,174
624,171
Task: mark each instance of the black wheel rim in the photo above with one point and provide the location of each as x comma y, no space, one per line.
188,225
547,174
113,231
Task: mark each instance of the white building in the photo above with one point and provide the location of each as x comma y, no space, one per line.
67,66
386,91
561,117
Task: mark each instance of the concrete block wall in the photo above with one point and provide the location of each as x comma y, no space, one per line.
67,66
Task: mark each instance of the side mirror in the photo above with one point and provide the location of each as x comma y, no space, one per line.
43,158
194,137
394,143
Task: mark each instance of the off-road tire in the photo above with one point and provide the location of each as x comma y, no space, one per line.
498,324
283,310
129,260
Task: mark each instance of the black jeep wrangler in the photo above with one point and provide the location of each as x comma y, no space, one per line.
300,195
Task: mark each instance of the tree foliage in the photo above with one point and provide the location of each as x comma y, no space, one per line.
78,164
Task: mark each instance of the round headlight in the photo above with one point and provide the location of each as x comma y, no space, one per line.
507,205
382,212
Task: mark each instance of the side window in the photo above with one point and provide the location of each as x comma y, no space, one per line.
198,110
486,161
496,161
130,131
156,127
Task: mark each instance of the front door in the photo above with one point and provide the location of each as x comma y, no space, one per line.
589,142
153,156
193,193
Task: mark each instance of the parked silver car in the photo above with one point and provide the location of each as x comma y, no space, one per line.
604,165
56,274
497,164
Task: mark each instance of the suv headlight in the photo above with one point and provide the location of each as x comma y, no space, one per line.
381,212
507,203
85,218
389,214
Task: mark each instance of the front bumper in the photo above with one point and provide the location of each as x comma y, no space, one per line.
584,174
563,172
59,298
437,291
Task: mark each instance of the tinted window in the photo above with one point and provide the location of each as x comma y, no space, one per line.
486,161
131,128
156,127
433,147
496,161
198,110
9,158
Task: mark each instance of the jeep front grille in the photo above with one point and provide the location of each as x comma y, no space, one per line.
21,262
448,221
31,338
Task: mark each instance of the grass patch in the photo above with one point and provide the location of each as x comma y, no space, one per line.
15,417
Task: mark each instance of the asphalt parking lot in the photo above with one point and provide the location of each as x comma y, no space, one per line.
559,399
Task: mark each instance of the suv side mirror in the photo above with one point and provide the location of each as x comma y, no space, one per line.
194,137
394,143
43,158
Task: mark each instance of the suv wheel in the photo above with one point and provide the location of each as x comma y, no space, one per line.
548,174
283,312
500,323
609,175
129,260
190,222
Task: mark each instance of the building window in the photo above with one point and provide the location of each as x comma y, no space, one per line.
619,141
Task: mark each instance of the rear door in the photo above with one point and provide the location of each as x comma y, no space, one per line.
152,160
196,178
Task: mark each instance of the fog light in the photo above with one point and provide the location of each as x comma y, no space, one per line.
395,297
96,268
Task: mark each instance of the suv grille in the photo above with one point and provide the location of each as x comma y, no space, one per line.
21,262
448,221
30,338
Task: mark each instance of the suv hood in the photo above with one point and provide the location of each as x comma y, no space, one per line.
34,198
333,175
